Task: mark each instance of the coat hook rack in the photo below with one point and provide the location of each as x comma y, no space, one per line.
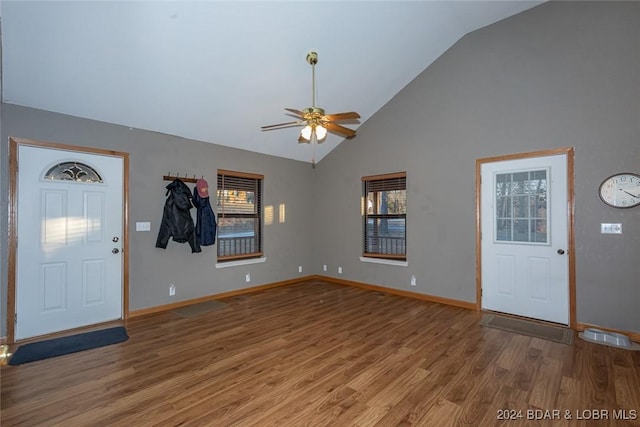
170,177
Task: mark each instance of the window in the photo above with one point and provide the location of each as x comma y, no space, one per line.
73,171
385,216
521,212
239,202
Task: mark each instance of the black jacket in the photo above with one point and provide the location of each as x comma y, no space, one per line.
176,218
205,220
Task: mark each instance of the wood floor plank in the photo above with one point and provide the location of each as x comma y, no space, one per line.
443,413
546,384
412,406
316,353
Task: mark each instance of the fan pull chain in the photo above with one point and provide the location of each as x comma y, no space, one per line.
314,140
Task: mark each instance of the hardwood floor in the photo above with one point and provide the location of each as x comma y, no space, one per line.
323,354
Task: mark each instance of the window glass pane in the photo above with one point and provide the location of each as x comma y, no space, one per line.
540,177
503,207
394,201
520,182
73,171
503,230
387,202
237,236
539,230
539,206
386,227
386,236
520,230
521,206
237,227
503,184
236,201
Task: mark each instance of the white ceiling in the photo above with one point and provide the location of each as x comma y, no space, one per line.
216,71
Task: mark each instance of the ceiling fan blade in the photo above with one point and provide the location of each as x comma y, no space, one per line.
346,132
342,116
287,124
296,112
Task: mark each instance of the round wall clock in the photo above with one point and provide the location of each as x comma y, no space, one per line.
621,190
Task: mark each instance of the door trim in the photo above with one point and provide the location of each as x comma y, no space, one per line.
569,152
14,144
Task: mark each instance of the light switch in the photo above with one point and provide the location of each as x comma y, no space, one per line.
143,226
610,228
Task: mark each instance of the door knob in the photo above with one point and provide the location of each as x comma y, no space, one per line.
115,250
560,251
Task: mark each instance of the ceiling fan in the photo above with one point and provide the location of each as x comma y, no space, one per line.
316,123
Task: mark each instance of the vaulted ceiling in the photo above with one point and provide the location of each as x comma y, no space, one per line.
217,71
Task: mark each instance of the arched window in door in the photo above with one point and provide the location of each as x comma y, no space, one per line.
73,171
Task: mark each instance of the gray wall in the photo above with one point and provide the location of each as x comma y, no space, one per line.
559,75
152,155
562,74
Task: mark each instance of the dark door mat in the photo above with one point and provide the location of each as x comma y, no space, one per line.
532,329
66,345
200,308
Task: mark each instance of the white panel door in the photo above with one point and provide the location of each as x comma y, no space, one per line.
525,267
69,254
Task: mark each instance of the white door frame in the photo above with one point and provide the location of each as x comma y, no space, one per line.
569,152
14,144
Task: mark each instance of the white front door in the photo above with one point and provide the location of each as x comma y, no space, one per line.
69,252
524,229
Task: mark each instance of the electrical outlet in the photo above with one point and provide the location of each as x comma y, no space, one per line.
299,269
339,270
172,290
610,228
324,267
247,277
413,280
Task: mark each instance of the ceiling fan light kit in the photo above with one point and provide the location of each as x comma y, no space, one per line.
315,122
319,130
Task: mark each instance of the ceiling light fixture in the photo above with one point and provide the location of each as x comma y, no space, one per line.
314,120
319,130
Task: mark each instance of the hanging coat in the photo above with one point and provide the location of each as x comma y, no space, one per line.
205,218
176,218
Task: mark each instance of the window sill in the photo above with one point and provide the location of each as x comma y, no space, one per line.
240,262
384,261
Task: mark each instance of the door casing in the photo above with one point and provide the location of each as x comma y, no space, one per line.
569,152
14,143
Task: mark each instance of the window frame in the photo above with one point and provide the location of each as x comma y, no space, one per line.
379,180
518,195
258,231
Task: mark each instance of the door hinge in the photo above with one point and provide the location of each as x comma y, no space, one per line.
15,318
